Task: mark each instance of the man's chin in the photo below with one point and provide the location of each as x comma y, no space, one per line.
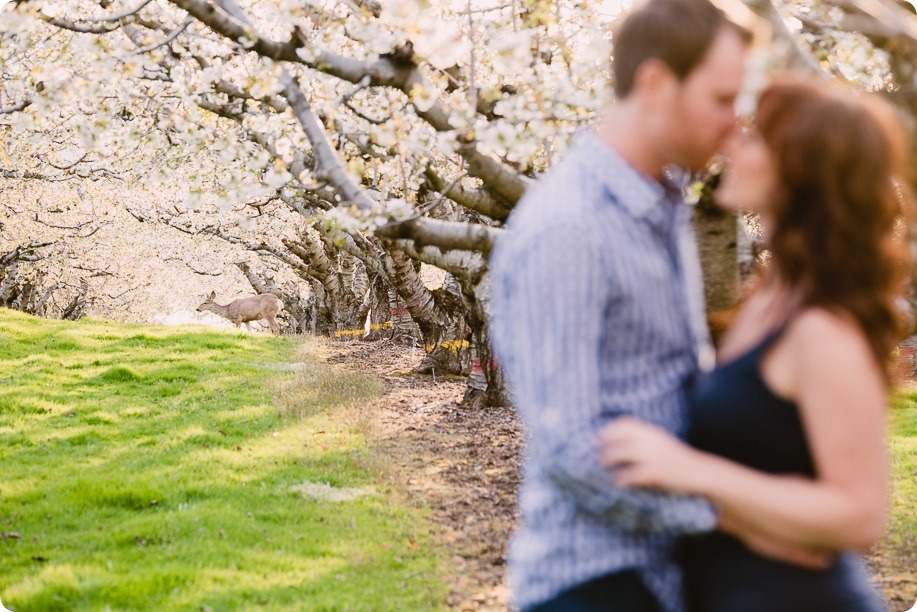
699,164
693,163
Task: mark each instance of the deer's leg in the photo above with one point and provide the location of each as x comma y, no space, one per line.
275,329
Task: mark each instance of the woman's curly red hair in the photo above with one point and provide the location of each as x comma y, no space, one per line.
837,224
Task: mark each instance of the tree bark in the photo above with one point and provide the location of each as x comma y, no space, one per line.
717,239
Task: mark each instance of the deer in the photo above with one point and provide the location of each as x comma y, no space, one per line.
264,306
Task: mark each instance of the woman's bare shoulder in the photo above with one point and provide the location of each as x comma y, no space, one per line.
824,338
817,323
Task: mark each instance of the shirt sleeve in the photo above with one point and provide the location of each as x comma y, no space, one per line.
550,296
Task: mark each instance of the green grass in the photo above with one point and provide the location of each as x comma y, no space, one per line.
902,526
151,468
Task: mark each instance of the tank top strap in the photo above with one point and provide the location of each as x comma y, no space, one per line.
769,339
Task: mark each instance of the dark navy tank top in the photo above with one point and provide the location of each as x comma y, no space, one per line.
734,414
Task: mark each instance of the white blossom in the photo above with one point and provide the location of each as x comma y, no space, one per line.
513,51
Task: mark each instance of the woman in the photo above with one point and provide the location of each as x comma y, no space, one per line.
788,431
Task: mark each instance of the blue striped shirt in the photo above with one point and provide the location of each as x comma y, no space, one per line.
596,313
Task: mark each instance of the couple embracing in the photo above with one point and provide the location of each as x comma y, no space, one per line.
650,483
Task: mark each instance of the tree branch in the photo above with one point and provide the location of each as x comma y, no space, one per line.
892,20
798,57
192,268
478,200
172,36
29,175
383,72
301,162
66,167
15,107
443,234
463,264
119,16
73,26
328,166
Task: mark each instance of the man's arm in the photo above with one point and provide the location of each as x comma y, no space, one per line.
550,306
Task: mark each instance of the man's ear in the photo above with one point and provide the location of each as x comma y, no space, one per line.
654,81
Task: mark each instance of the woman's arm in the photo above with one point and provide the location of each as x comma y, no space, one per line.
770,547
841,397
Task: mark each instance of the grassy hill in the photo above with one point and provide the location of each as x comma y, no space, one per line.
895,559
179,468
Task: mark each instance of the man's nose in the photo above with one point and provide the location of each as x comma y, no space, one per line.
729,143
730,122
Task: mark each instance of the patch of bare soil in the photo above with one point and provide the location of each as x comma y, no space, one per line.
894,574
464,466
461,464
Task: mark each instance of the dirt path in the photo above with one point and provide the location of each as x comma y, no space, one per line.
464,465
461,464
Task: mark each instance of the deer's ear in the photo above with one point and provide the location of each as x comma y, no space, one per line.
213,294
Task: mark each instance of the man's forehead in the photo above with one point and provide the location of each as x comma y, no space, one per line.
725,60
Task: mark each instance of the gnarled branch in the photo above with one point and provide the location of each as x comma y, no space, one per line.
443,234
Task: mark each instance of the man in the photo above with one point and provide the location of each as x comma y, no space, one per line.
598,313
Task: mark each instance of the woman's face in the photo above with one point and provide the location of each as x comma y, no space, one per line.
749,181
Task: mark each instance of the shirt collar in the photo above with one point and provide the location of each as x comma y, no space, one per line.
640,195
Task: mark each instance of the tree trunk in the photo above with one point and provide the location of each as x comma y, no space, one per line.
22,285
404,329
343,295
717,241
378,320
486,384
